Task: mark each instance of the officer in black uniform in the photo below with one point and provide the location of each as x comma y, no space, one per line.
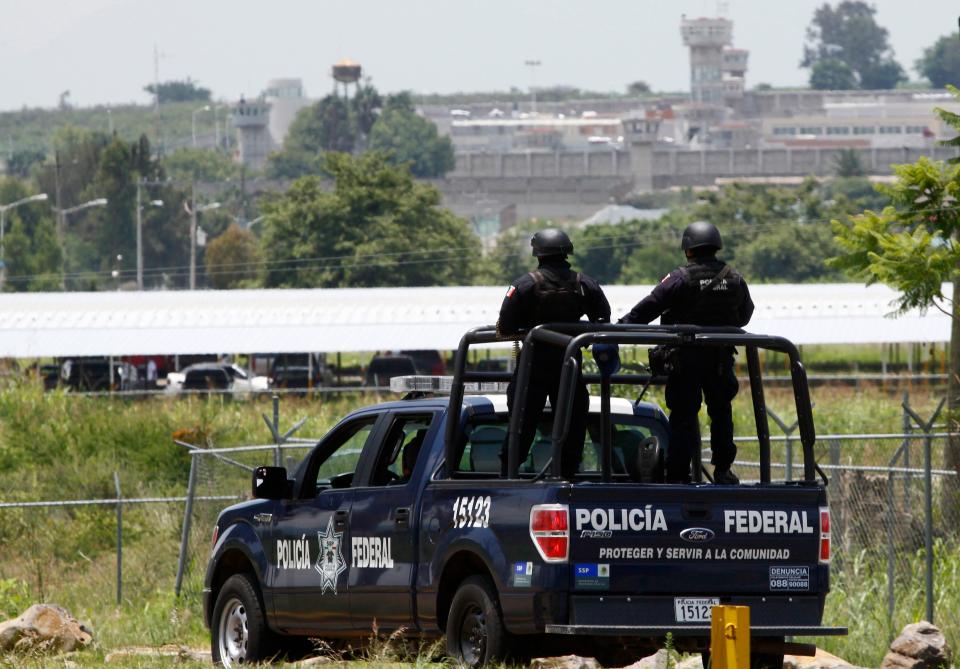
705,291
553,293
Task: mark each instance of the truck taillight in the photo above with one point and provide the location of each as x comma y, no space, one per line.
824,535
550,531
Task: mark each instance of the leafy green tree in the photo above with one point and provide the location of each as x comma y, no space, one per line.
847,164
850,33
638,88
324,126
31,250
941,62
365,105
233,258
831,74
186,90
22,162
377,227
412,140
914,246
188,164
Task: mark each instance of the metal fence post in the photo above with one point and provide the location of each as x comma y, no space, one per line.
891,558
277,461
928,510
907,428
187,518
788,443
927,428
116,483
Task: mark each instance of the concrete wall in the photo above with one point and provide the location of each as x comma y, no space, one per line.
677,167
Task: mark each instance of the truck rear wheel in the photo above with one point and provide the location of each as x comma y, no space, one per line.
239,633
475,632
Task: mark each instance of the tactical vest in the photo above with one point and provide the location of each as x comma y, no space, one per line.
713,305
558,300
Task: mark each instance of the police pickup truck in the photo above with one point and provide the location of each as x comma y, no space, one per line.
400,518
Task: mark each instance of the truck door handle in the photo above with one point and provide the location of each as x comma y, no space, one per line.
402,516
340,518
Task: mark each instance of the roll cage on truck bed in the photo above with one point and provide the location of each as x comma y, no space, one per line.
573,338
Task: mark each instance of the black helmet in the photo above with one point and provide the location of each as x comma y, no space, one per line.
699,234
551,242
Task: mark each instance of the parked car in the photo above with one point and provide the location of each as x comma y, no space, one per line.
216,377
93,374
427,361
384,367
300,370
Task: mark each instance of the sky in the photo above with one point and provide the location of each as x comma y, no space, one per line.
102,51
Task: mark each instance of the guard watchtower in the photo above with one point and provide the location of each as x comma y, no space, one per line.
251,118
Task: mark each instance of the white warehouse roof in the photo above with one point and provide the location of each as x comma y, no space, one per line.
355,319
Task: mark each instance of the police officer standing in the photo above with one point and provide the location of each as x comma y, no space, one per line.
553,293
705,291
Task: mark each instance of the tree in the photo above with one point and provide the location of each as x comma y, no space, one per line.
21,162
31,250
179,91
831,74
847,164
638,88
377,227
188,164
324,126
850,33
233,258
914,247
941,62
412,140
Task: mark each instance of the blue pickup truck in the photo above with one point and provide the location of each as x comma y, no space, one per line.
404,516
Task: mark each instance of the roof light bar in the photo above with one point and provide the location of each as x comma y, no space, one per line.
442,385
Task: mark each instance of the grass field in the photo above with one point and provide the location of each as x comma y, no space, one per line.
58,446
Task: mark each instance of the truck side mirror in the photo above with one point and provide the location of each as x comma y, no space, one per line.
271,483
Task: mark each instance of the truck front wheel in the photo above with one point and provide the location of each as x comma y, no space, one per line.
239,633
475,632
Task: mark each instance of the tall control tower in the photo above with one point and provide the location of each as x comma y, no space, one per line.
716,69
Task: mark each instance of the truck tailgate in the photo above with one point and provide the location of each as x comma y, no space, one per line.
702,540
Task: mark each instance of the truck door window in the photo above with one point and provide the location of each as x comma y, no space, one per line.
400,449
334,462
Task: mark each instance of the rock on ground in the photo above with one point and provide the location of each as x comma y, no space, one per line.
822,660
919,646
564,662
43,628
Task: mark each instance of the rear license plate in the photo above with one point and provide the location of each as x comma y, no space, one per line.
694,610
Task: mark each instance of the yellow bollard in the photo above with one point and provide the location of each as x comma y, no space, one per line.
730,637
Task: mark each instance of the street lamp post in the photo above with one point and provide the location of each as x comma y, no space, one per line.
153,203
62,214
193,120
3,225
533,64
194,210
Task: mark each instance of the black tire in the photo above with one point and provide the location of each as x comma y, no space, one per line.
705,659
475,634
238,629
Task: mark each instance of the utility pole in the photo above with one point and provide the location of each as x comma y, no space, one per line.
193,235
139,237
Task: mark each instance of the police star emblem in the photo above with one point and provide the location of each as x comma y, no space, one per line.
330,562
